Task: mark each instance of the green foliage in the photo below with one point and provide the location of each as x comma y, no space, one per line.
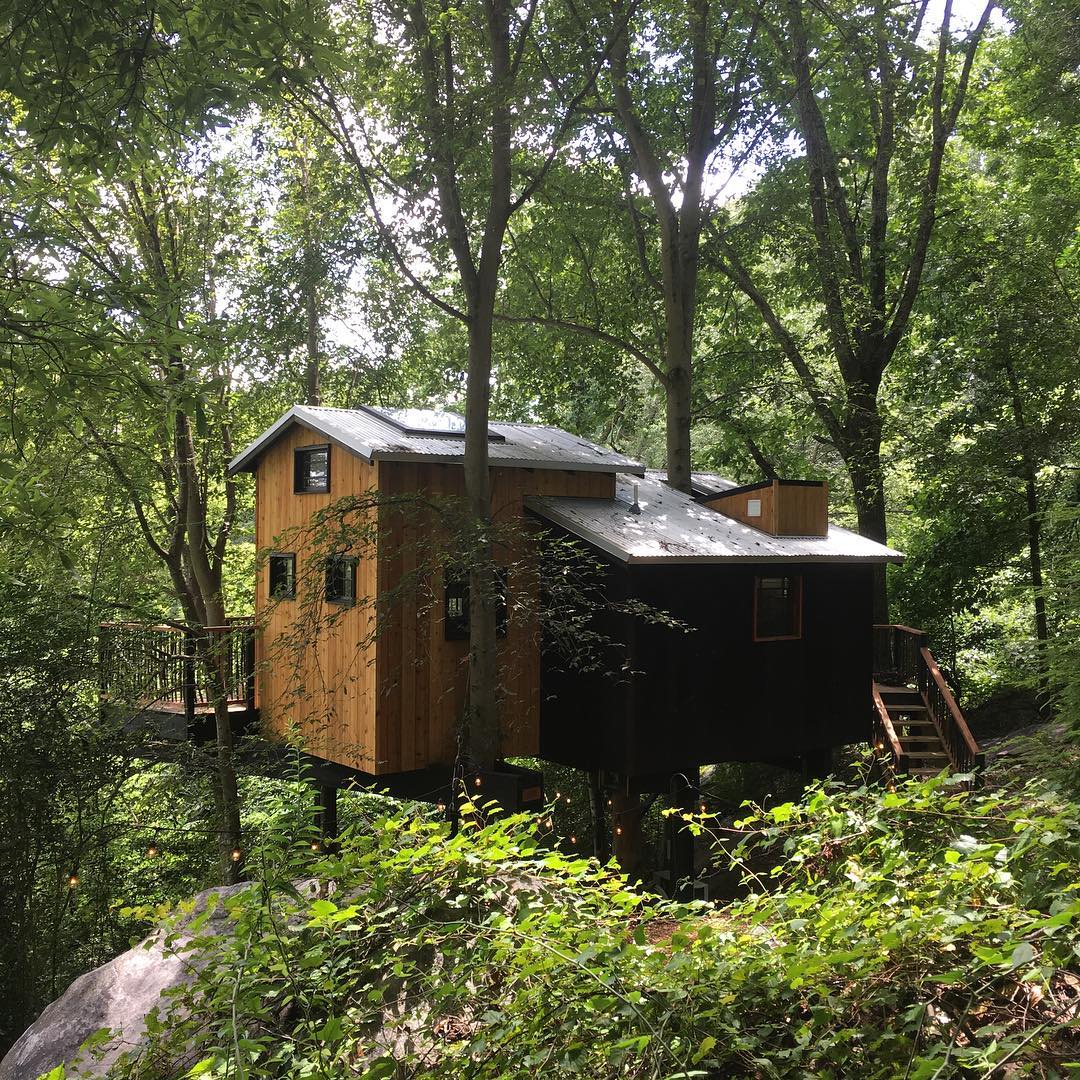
927,931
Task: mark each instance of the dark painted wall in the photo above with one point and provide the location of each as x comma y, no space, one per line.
713,693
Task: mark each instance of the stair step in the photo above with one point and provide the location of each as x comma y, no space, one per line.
920,738
928,755
897,710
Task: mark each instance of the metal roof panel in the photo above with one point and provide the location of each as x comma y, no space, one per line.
673,528
532,446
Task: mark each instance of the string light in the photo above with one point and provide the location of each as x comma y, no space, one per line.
73,881
573,839
236,854
704,808
618,830
315,845
477,781
152,850
558,795
609,802
441,807
550,823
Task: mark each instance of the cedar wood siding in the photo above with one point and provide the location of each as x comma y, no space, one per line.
328,687
393,707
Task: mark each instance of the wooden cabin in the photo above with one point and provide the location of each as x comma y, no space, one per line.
772,660
735,621
380,687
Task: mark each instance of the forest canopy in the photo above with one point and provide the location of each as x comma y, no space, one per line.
832,241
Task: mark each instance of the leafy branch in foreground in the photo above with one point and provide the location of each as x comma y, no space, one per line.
924,932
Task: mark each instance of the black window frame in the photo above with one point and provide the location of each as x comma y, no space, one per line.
302,470
795,612
340,595
456,605
278,559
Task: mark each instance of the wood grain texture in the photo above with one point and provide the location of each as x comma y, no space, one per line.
377,687
314,670
787,509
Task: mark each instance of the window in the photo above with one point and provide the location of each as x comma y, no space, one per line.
282,577
311,469
341,579
777,608
456,612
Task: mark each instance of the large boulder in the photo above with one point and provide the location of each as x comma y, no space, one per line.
118,995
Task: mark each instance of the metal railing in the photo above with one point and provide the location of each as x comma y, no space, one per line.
170,665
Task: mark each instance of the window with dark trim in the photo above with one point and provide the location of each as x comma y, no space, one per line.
282,576
341,579
456,608
777,608
311,469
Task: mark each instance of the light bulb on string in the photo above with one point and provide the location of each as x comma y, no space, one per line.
236,854
73,880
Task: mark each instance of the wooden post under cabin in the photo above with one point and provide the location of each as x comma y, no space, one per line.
326,813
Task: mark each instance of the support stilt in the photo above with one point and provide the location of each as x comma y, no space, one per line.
326,813
683,800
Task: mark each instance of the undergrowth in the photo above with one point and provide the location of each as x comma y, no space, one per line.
920,933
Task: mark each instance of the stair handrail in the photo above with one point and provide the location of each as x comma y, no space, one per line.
964,751
887,733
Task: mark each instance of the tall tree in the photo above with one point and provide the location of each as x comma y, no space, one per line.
469,91
873,111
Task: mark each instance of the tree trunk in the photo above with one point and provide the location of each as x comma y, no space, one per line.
1034,524
482,721
601,841
312,389
629,842
678,348
311,303
213,647
862,455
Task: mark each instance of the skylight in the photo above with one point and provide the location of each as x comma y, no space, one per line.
427,423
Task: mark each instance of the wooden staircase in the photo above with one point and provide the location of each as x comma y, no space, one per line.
917,722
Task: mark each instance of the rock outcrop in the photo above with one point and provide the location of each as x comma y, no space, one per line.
118,995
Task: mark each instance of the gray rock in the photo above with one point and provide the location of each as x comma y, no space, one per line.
118,995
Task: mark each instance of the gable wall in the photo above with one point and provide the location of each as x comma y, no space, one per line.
422,677
312,667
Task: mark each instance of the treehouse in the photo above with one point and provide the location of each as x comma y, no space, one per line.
733,622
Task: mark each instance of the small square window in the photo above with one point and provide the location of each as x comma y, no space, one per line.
311,469
777,608
456,611
282,575
341,579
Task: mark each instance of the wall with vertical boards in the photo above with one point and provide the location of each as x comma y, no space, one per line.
377,687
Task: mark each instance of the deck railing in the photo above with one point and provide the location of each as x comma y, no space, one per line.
901,655
143,665
896,653
885,737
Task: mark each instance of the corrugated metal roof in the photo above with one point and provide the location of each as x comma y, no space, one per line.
673,528
526,446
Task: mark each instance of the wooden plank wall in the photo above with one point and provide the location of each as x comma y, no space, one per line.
734,506
422,677
787,509
802,509
313,670
394,704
